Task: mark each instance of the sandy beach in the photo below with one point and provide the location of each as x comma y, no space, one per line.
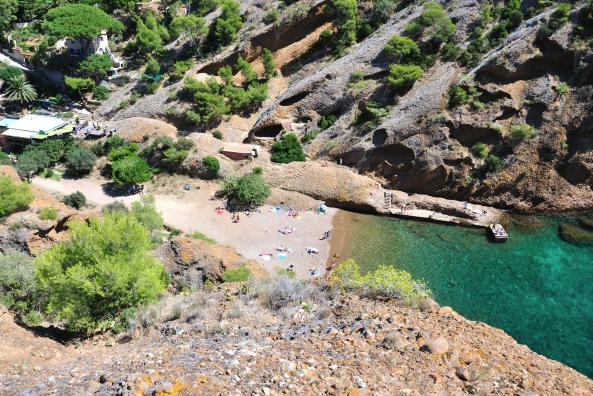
256,237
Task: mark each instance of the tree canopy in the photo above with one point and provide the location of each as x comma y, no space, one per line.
131,170
14,197
101,274
287,149
79,21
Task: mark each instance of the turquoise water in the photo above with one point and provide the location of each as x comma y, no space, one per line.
536,287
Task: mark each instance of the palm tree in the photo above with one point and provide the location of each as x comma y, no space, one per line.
18,89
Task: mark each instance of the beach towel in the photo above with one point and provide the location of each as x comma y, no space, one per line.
265,256
282,256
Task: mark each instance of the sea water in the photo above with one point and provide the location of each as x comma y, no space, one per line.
536,287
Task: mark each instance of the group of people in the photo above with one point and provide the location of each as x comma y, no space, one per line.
235,218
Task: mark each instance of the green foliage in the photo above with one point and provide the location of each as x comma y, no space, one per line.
14,197
80,161
225,28
240,274
152,66
115,206
210,106
144,211
76,200
403,76
16,88
584,27
247,70
345,19
124,151
356,76
435,21
180,68
271,16
522,131
458,96
79,85
18,289
385,281
480,150
402,50
562,88
55,149
31,162
79,21
106,270
8,14
203,237
492,164
47,213
269,64
131,170
95,66
371,112
248,190
101,92
113,142
148,40
217,134
212,165
193,26
287,149
326,121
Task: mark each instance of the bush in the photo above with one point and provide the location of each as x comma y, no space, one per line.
561,88
385,281
402,50
18,290
492,164
269,64
76,200
217,134
122,152
80,161
212,165
287,149
48,214
249,190
14,196
282,291
202,237
131,170
403,76
435,20
225,28
95,66
112,143
522,131
344,14
145,212
104,272
115,206
240,274
480,150
458,96
271,16
101,92
326,121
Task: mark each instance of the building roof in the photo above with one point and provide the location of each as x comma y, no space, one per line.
238,148
7,122
38,123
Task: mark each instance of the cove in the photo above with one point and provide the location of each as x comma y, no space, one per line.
536,287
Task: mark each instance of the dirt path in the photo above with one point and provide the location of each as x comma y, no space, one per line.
194,210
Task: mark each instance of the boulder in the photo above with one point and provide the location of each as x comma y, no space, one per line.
437,345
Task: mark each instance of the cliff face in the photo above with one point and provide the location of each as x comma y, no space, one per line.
223,342
424,145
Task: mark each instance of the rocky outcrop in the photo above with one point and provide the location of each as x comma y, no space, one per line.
223,342
191,262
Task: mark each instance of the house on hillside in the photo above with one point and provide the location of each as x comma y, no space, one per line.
33,128
83,47
237,151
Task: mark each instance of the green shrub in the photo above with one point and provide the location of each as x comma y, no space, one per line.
102,274
435,20
269,64
492,164
271,16
18,289
402,50
131,170
480,150
225,28
385,280
212,165
458,96
14,196
48,214
124,151
345,18
356,76
287,149
80,161
326,121
180,68
217,134
145,212
403,76
115,206
112,143
33,318
202,237
240,274
95,66
101,92
249,190
258,170
76,200
286,273
522,131
561,88
371,112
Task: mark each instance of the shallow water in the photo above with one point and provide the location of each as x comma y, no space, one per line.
536,287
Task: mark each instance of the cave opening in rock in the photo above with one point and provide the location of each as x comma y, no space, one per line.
268,131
